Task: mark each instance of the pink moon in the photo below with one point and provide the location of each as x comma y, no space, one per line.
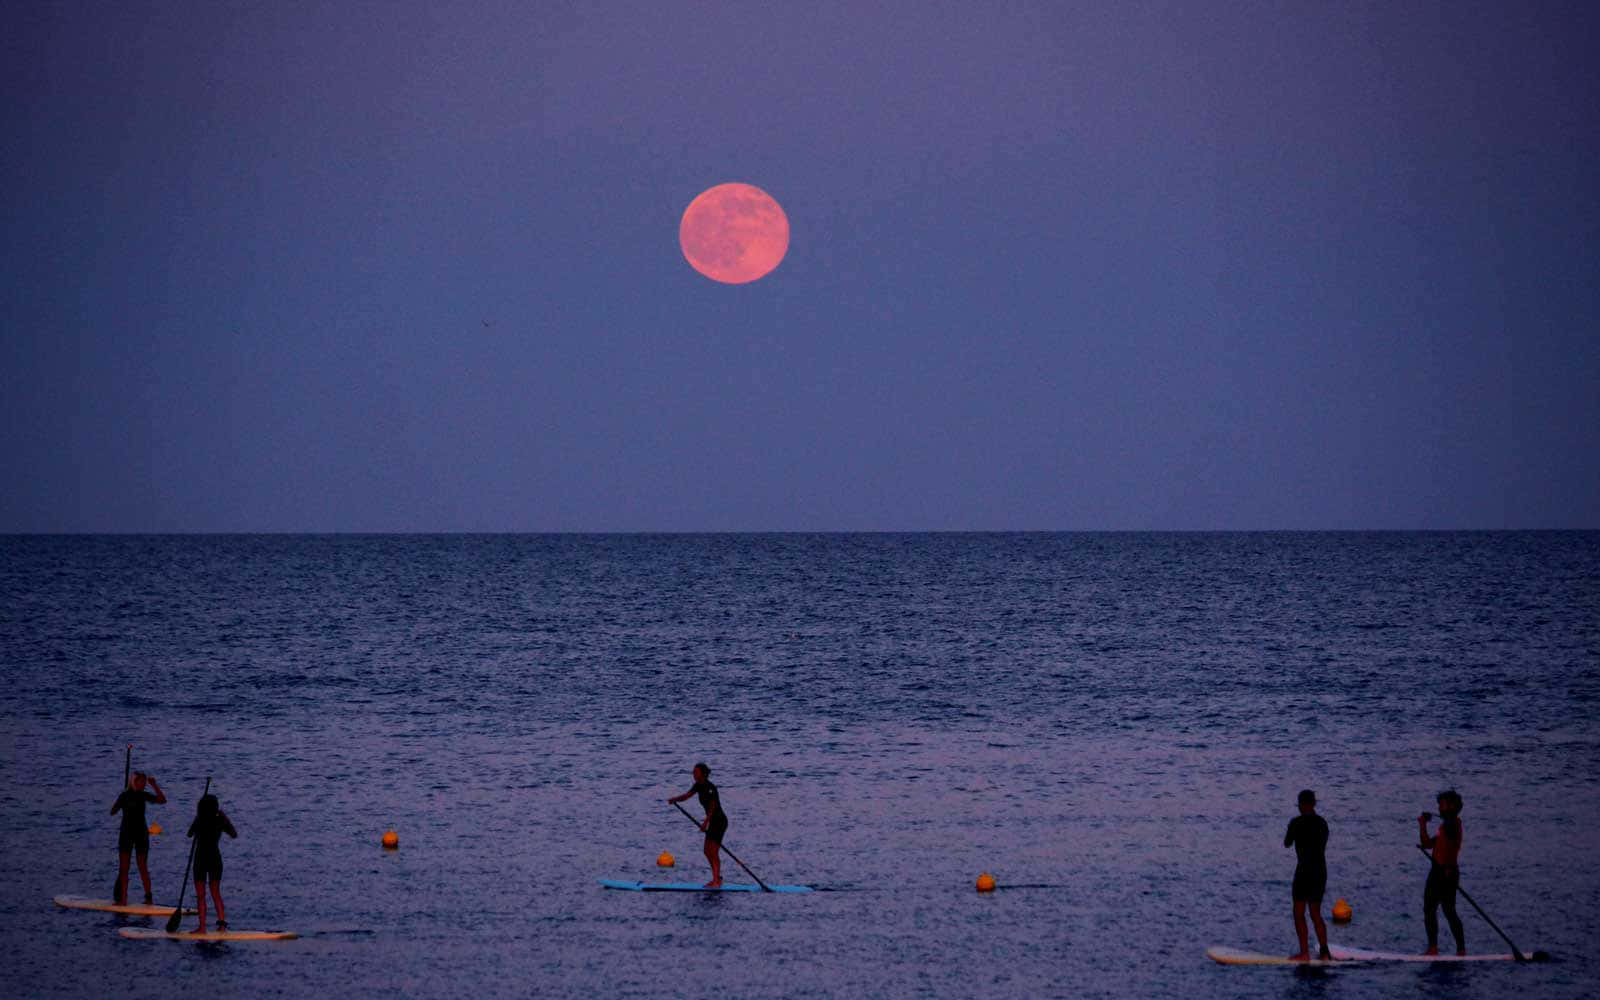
734,233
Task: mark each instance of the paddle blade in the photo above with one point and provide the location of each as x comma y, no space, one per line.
174,920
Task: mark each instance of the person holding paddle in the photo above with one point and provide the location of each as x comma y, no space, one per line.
210,823
1444,877
715,823
134,836
1308,835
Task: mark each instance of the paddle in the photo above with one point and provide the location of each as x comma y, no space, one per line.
735,857
127,764
1515,952
177,911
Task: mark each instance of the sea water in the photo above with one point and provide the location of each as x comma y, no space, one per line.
1114,725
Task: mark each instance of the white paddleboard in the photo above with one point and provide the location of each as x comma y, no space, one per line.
156,933
107,906
1342,956
614,883
1365,955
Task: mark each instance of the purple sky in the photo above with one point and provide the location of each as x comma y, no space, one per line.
413,266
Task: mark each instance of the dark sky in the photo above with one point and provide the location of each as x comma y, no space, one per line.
412,266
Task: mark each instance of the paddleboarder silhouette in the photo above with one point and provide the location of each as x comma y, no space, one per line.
134,836
210,823
1444,876
1308,835
715,823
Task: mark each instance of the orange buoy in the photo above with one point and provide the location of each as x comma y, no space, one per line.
986,882
665,859
1342,912
391,841
155,828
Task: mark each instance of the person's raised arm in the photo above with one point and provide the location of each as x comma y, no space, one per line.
1422,830
161,797
679,798
227,827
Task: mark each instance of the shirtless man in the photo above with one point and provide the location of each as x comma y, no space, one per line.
1444,875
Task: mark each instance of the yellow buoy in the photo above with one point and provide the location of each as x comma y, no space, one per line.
1342,912
665,859
986,882
391,841
155,828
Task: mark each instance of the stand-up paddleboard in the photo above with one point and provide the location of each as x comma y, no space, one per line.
108,906
160,933
615,883
1365,955
1342,956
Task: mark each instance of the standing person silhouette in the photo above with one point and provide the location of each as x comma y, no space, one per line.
1308,834
210,823
1444,875
714,825
134,835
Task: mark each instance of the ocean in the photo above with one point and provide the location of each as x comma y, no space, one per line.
1114,726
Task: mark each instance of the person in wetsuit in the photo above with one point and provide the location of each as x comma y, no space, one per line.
210,823
1308,834
134,836
1444,875
716,822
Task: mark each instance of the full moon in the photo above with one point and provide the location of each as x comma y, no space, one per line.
734,233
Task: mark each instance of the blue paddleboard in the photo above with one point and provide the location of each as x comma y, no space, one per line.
616,883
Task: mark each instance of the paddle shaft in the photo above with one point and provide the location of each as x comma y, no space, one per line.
764,887
177,911
1515,951
127,765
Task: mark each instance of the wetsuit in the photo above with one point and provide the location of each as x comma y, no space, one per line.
134,837
207,832
1308,832
708,800
1440,890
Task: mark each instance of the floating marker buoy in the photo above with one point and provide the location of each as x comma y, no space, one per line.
1342,912
986,882
155,828
665,859
391,841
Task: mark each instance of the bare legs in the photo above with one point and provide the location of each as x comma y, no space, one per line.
715,857
144,875
200,903
1304,954
1440,891
123,857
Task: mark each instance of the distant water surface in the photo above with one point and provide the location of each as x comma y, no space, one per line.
1114,725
